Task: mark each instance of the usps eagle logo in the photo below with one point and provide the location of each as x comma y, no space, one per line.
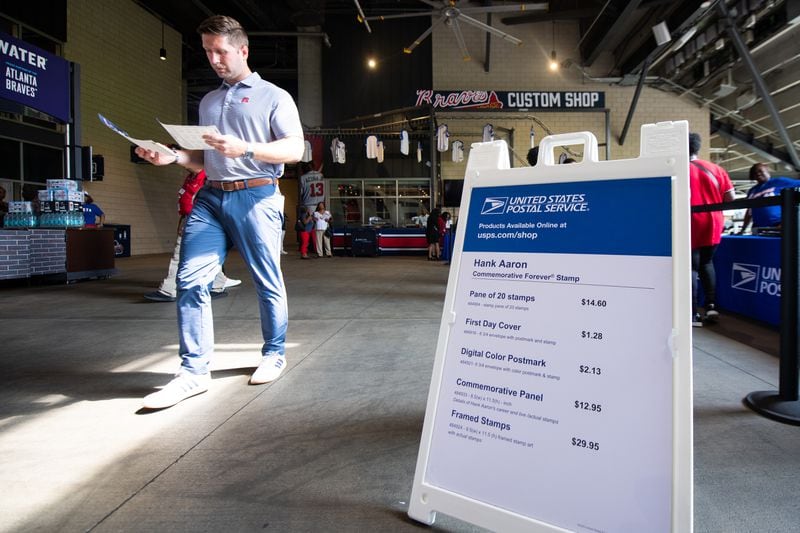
744,277
494,205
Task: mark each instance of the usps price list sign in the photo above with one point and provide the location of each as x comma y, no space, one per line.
556,393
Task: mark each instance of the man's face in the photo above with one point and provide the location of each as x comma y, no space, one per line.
762,174
228,61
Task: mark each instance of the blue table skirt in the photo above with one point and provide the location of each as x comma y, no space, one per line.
749,276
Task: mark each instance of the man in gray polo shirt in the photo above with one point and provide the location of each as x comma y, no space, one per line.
240,206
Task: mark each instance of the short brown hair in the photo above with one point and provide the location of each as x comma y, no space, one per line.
225,26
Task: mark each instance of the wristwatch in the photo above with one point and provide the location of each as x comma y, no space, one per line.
248,152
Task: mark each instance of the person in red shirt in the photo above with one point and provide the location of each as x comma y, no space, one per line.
167,290
708,184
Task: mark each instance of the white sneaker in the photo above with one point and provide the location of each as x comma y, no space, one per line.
184,385
284,252
270,368
230,282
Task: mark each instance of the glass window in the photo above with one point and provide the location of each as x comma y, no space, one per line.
380,212
42,163
384,188
344,188
385,202
410,211
346,211
415,188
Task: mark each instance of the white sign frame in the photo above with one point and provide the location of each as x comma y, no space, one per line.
663,153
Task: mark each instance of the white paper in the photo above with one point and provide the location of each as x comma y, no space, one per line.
562,451
146,144
190,137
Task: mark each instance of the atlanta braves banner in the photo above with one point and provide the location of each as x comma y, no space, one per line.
34,77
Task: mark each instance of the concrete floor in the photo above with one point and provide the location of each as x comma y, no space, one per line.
332,444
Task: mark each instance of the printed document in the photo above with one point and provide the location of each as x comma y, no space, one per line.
188,137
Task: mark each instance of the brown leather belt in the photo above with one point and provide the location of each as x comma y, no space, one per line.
239,185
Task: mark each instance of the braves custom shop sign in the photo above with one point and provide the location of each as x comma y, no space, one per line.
467,100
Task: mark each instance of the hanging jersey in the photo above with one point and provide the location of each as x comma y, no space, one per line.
307,154
337,151
334,142
458,151
379,151
404,142
488,133
419,152
442,138
372,147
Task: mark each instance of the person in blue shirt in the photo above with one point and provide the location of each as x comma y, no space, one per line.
768,216
93,216
240,205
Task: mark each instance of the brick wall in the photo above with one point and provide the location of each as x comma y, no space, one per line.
14,254
48,252
116,43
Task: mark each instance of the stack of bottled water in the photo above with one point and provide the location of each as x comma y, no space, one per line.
61,204
69,219
20,215
20,219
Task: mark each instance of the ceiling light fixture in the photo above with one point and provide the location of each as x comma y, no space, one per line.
163,52
553,59
372,63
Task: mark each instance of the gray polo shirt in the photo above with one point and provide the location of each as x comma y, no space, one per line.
255,111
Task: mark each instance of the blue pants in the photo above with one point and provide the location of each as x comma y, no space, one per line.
251,221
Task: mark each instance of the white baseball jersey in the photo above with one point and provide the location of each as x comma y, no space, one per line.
442,138
306,153
372,147
458,151
379,151
488,133
404,142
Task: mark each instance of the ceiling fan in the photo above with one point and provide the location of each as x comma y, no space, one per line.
451,15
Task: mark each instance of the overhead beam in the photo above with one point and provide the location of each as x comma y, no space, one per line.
634,102
614,34
567,14
765,150
758,81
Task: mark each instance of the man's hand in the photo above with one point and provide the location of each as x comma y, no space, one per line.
155,157
227,145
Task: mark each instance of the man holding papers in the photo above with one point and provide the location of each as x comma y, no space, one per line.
240,206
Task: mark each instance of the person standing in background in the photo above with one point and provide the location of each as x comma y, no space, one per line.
304,227
240,206
93,216
3,205
709,184
432,234
322,218
167,290
768,216
283,233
